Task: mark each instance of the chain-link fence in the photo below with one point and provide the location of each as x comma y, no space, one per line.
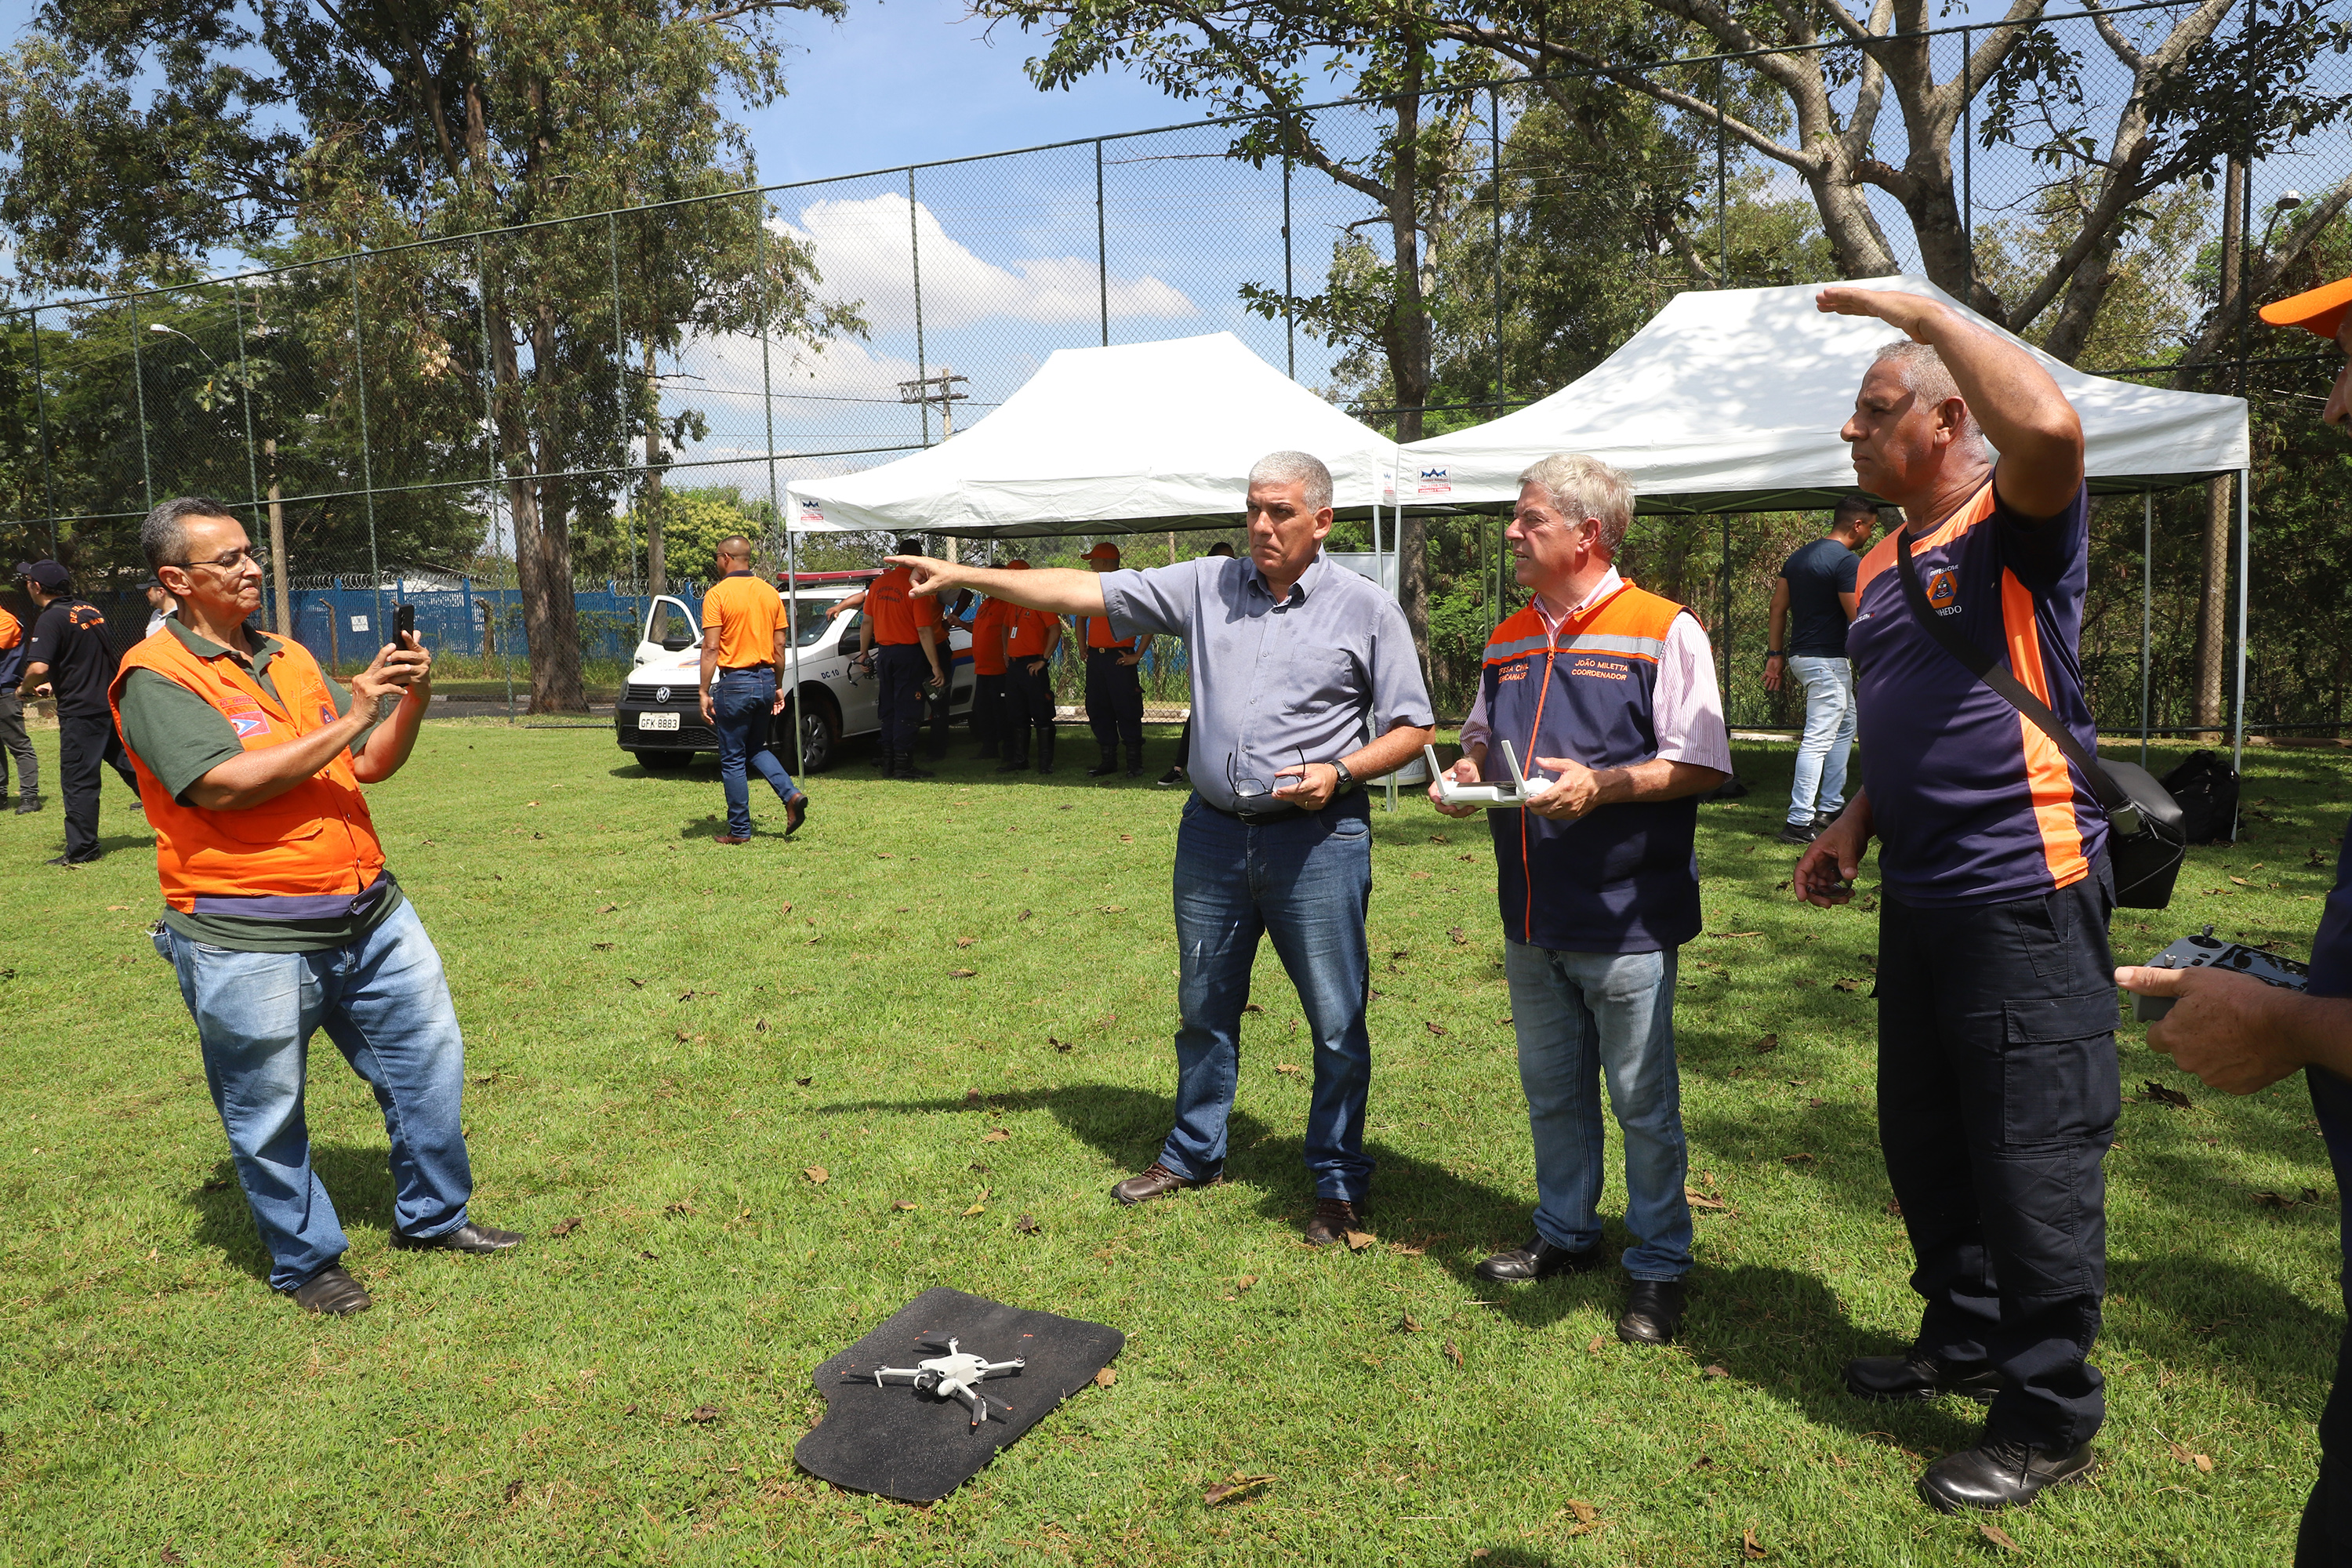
525,433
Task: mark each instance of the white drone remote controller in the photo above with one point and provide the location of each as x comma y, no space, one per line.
1493,796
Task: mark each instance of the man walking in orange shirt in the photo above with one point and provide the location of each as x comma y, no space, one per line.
743,631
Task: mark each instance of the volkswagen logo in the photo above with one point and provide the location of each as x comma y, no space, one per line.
661,694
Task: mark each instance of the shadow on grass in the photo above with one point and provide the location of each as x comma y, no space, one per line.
357,1181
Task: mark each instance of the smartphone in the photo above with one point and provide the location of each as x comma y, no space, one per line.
403,626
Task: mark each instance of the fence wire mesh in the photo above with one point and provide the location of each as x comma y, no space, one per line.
528,433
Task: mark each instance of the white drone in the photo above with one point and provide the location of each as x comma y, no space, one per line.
952,1374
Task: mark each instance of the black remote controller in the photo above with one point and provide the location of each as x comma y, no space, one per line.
2209,952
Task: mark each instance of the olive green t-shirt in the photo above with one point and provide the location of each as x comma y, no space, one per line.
181,737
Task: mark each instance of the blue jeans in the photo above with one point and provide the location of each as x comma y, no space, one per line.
1306,882
740,700
1580,1015
384,1002
1827,745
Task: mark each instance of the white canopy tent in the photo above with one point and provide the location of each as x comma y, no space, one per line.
1138,439
1731,400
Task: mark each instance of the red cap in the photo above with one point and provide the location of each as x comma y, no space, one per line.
1105,551
1016,565
2320,310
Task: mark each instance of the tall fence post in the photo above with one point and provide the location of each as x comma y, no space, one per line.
1968,169
252,464
1722,202
621,414
41,406
1102,257
2147,614
1494,178
1289,303
915,251
367,461
139,394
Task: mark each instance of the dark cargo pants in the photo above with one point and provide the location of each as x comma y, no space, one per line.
1998,1092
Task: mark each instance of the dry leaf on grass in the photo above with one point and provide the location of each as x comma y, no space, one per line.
1894,1207
1999,1537
1585,1512
995,1135
681,1206
2204,1464
1290,1068
1241,1486
608,909
2163,1095
1437,1030
1460,940
1718,1371
961,973
976,1208
1847,985
815,1174
1699,1200
1409,1251
1409,1324
1245,1281
805,1082
1454,1352
966,941
1767,1043
1359,1239
602,946
1063,1047
1595,1348
1127,838
1749,1547
1252,1007
703,1414
1106,1377
564,1227
1026,1225
1113,908
902,1204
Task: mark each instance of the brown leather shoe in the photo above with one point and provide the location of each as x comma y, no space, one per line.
1334,1217
729,838
1157,1182
331,1292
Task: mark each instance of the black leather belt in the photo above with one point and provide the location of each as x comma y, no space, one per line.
1280,812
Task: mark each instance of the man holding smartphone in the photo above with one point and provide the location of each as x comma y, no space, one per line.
280,916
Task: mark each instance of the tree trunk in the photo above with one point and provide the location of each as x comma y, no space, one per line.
1408,350
541,547
2213,596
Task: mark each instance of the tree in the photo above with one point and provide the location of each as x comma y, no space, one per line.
293,130
2196,97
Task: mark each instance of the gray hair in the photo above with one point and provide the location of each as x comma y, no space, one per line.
1295,468
1922,369
164,535
1580,487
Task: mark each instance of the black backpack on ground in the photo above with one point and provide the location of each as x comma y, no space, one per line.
2207,789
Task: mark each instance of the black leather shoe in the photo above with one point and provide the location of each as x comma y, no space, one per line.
1170,779
466,1238
1653,1312
1157,1181
1013,763
795,813
331,1292
902,766
1538,1259
1797,833
69,860
1916,1376
1997,1475
30,803
1333,1218
1105,768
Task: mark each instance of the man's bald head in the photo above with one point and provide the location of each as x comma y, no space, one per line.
735,548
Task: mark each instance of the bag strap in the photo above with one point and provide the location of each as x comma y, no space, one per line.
1990,670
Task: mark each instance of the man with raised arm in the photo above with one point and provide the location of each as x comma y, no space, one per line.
2237,1035
1998,1088
1611,690
280,917
1304,685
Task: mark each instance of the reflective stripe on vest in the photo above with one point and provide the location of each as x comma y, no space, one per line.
309,854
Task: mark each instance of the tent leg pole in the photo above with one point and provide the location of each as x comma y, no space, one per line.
2146,597
2238,718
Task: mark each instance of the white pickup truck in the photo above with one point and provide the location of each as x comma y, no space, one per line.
658,719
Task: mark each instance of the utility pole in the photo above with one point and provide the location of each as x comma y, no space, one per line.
940,388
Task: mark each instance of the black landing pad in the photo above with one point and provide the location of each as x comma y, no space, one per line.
918,1447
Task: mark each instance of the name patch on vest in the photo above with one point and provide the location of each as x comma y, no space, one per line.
1600,669
1513,672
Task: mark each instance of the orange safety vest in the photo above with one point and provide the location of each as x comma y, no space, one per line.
305,855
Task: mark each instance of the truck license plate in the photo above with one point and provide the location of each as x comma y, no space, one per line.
656,720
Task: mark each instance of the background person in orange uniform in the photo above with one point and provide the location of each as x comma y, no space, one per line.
13,741
988,625
744,631
907,628
280,916
68,658
1030,639
1114,681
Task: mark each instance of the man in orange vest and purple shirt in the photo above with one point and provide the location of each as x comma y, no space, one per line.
1612,689
280,916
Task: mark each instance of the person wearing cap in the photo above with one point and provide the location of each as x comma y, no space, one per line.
1114,681
744,650
906,630
158,603
14,742
990,623
1030,639
1305,683
68,658
1997,1081
280,916
2240,1035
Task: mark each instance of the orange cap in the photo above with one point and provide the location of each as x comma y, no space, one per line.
2320,310
1105,551
1016,565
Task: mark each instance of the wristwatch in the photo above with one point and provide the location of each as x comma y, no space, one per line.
1774,653
1347,780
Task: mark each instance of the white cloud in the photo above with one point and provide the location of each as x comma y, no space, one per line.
864,252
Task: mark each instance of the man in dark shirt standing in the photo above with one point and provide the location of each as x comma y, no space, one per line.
1998,1084
1811,604
68,657
2237,1035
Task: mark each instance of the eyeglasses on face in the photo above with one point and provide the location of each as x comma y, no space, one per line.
233,562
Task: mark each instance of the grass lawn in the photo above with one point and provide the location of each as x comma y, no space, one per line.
666,1040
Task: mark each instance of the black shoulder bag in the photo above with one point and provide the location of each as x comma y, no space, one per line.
2145,838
